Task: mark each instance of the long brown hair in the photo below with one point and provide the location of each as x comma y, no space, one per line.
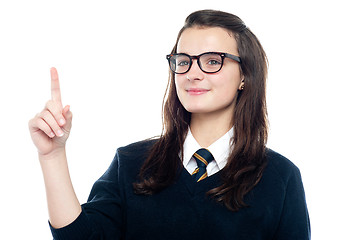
247,160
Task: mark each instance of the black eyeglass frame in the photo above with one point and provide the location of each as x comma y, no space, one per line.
221,54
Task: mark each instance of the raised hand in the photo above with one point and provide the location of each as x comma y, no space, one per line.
50,128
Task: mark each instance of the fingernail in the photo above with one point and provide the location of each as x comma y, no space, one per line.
62,121
60,133
51,135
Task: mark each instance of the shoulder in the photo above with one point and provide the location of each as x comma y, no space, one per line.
284,188
280,166
137,148
134,154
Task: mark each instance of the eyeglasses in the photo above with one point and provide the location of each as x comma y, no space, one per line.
209,62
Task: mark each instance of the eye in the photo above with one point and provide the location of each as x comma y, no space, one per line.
182,60
183,63
213,62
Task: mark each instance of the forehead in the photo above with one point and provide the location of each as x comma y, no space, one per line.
198,40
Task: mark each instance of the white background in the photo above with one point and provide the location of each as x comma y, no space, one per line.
110,56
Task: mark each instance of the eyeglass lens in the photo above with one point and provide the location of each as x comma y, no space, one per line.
209,62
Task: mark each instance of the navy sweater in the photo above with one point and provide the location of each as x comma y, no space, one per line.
277,209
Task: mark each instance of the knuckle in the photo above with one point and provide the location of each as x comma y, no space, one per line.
39,123
48,118
45,114
49,104
52,107
38,115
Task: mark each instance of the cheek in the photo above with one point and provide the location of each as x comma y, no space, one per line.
229,85
178,86
176,81
180,81
228,94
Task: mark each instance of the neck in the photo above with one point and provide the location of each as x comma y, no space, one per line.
208,128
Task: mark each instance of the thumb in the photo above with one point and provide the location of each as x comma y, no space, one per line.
68,115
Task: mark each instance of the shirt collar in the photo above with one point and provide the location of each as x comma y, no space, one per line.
220,149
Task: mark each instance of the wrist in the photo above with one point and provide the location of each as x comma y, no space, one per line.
58,153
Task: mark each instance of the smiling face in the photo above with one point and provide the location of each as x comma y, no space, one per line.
209,93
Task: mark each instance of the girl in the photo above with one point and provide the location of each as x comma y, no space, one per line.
209,174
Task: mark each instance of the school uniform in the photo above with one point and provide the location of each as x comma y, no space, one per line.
277,207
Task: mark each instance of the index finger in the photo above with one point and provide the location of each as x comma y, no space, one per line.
55,85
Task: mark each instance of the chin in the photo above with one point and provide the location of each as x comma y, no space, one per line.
196,110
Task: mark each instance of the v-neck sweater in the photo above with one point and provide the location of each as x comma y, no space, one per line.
277,208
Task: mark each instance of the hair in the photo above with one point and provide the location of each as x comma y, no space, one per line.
247,160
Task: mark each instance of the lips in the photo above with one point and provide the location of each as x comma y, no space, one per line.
197,91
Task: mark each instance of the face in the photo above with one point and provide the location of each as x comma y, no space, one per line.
208,93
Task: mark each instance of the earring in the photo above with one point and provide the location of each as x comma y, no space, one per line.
242,87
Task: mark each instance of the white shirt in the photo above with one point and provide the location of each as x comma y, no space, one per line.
220,150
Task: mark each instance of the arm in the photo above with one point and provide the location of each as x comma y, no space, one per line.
294,223
102,215
63,205
49,131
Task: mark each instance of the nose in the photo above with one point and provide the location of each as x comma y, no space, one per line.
195,72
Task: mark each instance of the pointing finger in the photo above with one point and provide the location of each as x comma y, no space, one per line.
55,85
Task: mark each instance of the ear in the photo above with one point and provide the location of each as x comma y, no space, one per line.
241,85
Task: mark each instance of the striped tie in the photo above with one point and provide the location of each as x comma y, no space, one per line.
203,157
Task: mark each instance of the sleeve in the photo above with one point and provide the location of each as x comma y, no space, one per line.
102,215
294,223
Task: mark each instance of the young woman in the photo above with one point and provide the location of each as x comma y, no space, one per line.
233,188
